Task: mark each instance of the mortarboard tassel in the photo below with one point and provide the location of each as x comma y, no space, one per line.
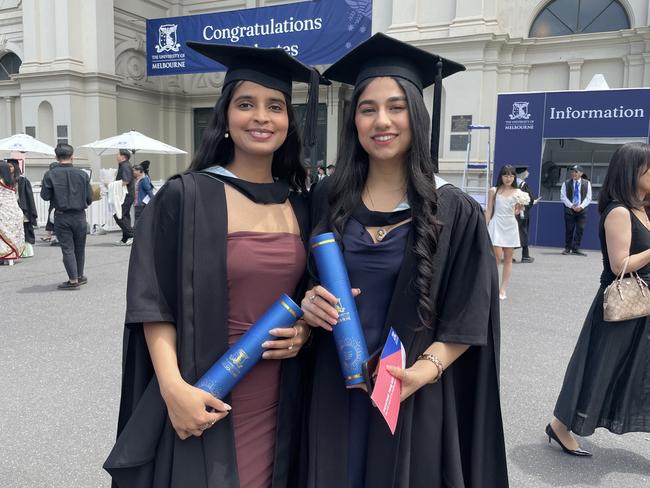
435,116
311,113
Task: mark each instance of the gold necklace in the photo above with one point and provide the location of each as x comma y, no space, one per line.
381,232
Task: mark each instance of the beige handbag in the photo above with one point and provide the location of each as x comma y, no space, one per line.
626,298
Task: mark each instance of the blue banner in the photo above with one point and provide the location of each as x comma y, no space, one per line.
525,120
315,32
520,121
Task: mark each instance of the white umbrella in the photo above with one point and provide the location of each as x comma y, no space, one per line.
133,141
25,143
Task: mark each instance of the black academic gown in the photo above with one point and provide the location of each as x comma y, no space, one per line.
28,206
470,450
524,221
177,274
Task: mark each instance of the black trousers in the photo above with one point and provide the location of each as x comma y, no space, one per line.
70,229
523,224
574,223
125,222
138,212
29,232
49,226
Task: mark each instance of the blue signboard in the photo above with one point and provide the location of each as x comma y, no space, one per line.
525,120
316,32
520,119
611,113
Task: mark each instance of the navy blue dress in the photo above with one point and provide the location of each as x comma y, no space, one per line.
372,267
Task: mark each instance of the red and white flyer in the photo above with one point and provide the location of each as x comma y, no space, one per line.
387,390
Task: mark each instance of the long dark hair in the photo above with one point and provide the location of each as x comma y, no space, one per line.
350,176
5,174
508,169
628,163
215,148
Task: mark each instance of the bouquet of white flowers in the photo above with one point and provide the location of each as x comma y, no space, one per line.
521,198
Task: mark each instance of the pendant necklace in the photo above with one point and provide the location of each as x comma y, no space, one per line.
381,232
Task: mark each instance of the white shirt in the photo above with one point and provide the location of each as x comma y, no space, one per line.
568,203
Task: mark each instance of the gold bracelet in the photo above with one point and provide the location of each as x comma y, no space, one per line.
434,360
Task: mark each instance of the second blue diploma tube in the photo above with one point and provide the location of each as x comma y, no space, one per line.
223,375
348,333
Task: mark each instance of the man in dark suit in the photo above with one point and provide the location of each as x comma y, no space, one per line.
523,217
576,197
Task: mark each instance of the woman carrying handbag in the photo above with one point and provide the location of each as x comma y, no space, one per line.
607,382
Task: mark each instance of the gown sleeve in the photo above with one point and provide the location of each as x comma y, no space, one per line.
152,287
470,275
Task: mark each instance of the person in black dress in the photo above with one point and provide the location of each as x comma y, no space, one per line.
607,381
216,247
418,251
523,217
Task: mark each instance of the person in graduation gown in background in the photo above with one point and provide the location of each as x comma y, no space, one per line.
523,217
417,249
216,247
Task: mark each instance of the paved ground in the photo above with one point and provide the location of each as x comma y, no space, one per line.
60,358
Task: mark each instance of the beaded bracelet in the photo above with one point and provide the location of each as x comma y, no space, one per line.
434,360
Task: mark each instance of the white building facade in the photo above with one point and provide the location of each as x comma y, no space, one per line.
82,67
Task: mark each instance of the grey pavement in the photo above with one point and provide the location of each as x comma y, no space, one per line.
60,359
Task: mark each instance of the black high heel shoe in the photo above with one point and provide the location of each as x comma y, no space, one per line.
577,452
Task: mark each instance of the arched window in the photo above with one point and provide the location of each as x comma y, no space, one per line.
9,64
564,17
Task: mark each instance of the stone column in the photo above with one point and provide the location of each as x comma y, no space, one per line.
575,68
334,108
9,115
405,14
474,17
646,69
633,71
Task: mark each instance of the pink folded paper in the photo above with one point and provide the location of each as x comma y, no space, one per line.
387,390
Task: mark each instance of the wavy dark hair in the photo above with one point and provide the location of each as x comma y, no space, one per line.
508,169
627,165
349,180
5,174
215,148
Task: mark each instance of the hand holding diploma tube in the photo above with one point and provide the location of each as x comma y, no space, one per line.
224,374
348,333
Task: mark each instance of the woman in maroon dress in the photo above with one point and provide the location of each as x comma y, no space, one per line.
216,247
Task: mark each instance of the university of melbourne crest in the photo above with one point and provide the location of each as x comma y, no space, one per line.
167,40
520,111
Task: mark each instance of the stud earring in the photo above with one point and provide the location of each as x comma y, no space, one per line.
226,135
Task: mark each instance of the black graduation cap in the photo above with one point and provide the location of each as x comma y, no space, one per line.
382,55
271,67
520,169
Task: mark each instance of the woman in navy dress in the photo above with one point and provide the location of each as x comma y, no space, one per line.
418,251
607,381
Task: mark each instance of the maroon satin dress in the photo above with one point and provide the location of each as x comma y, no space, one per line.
261,266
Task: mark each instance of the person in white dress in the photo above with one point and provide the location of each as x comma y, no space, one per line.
502,224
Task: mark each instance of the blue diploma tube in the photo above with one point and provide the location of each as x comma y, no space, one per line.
222,377
348,334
